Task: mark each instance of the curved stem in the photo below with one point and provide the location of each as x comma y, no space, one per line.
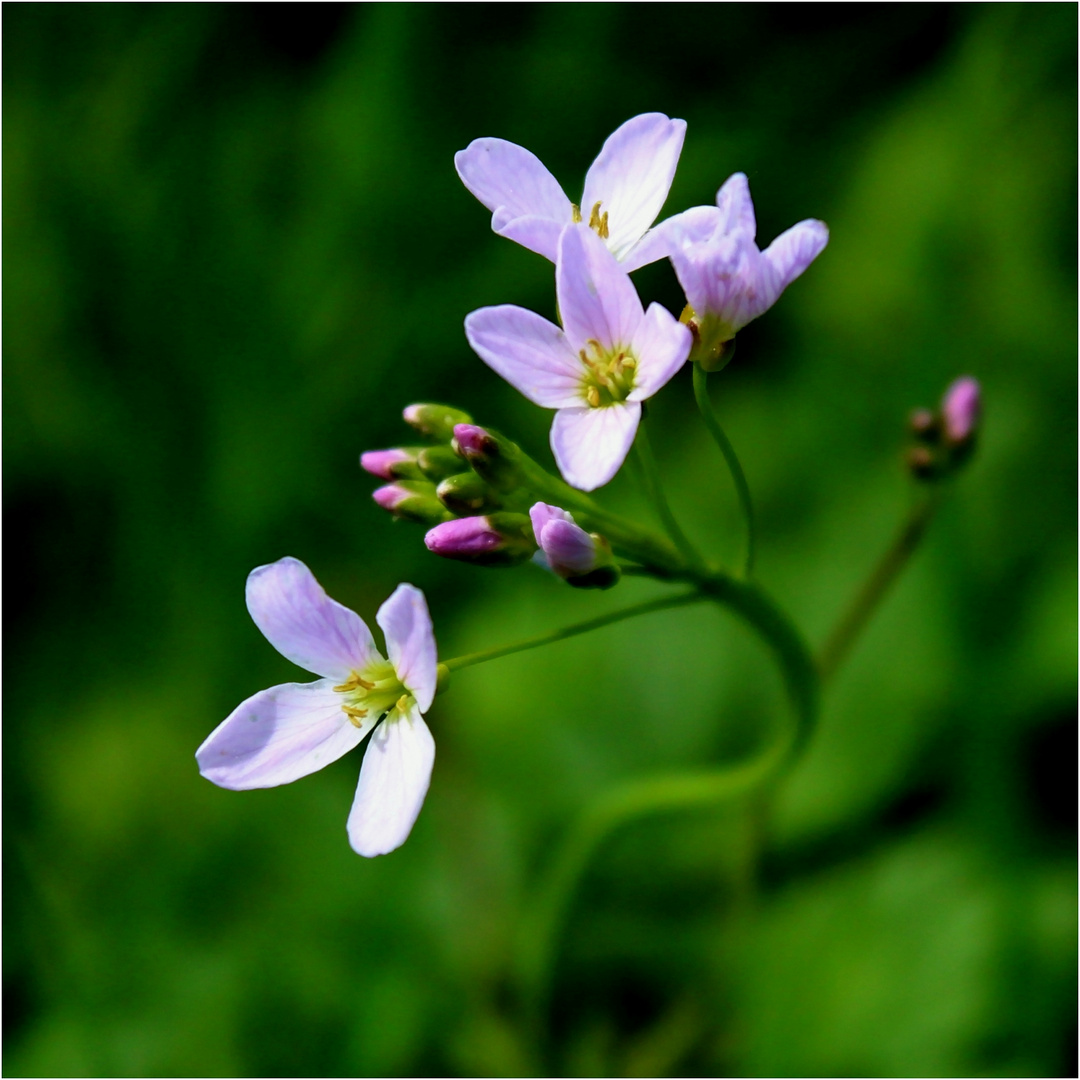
655,491
838,644
704,403
542,927
458,662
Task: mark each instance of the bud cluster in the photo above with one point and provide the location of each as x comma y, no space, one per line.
471,486
945,437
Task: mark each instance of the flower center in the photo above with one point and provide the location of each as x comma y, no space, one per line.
609,374
597,222
375,692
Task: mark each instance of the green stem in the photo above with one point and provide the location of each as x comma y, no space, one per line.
701,395
660,604
854,620
655,491
543,925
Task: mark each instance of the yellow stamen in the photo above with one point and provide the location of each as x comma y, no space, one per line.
575,213
354,682
403,703
354,714
592,396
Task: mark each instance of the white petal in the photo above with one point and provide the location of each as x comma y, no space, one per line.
661,346
503,175
394,779
736,206
529,352
632,175
410,642
290,607
597,299
279,735
591,444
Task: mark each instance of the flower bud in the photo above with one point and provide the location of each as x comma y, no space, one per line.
499,539
435,421
466,493
924,425
960,408
581,559
397,464
494,457
413,500
438,462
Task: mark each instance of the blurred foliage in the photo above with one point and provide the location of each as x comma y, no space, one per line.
235,247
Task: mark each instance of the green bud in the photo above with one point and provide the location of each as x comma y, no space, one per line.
435,421
438,462
466,493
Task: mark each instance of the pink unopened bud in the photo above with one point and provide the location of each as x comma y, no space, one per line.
472,440
464,538
390,496
499,539
568,548
381,463
960,407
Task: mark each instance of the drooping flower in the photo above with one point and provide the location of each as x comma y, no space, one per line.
728,281
286,732
625,188
610,357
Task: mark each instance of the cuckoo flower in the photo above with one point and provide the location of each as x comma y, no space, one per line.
625,188
610,356
727,280
288,731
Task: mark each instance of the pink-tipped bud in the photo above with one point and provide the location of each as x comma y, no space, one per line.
414,500
495,540
435,421
388,464
960,408
474,441
492,456
580,558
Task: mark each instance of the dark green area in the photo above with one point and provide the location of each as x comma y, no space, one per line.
235,247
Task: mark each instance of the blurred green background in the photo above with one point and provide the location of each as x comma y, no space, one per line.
235,246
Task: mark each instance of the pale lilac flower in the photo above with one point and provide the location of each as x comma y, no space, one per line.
625,188
960,408
727,280
565,547
288,731
611,356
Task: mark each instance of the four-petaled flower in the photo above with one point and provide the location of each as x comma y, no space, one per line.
625,188
611,356
289,731
727,280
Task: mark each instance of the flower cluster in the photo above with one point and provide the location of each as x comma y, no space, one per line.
482,498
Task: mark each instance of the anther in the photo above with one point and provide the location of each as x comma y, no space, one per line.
403,703
592,396
602,231
575,213
354,714
354,682
595,221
